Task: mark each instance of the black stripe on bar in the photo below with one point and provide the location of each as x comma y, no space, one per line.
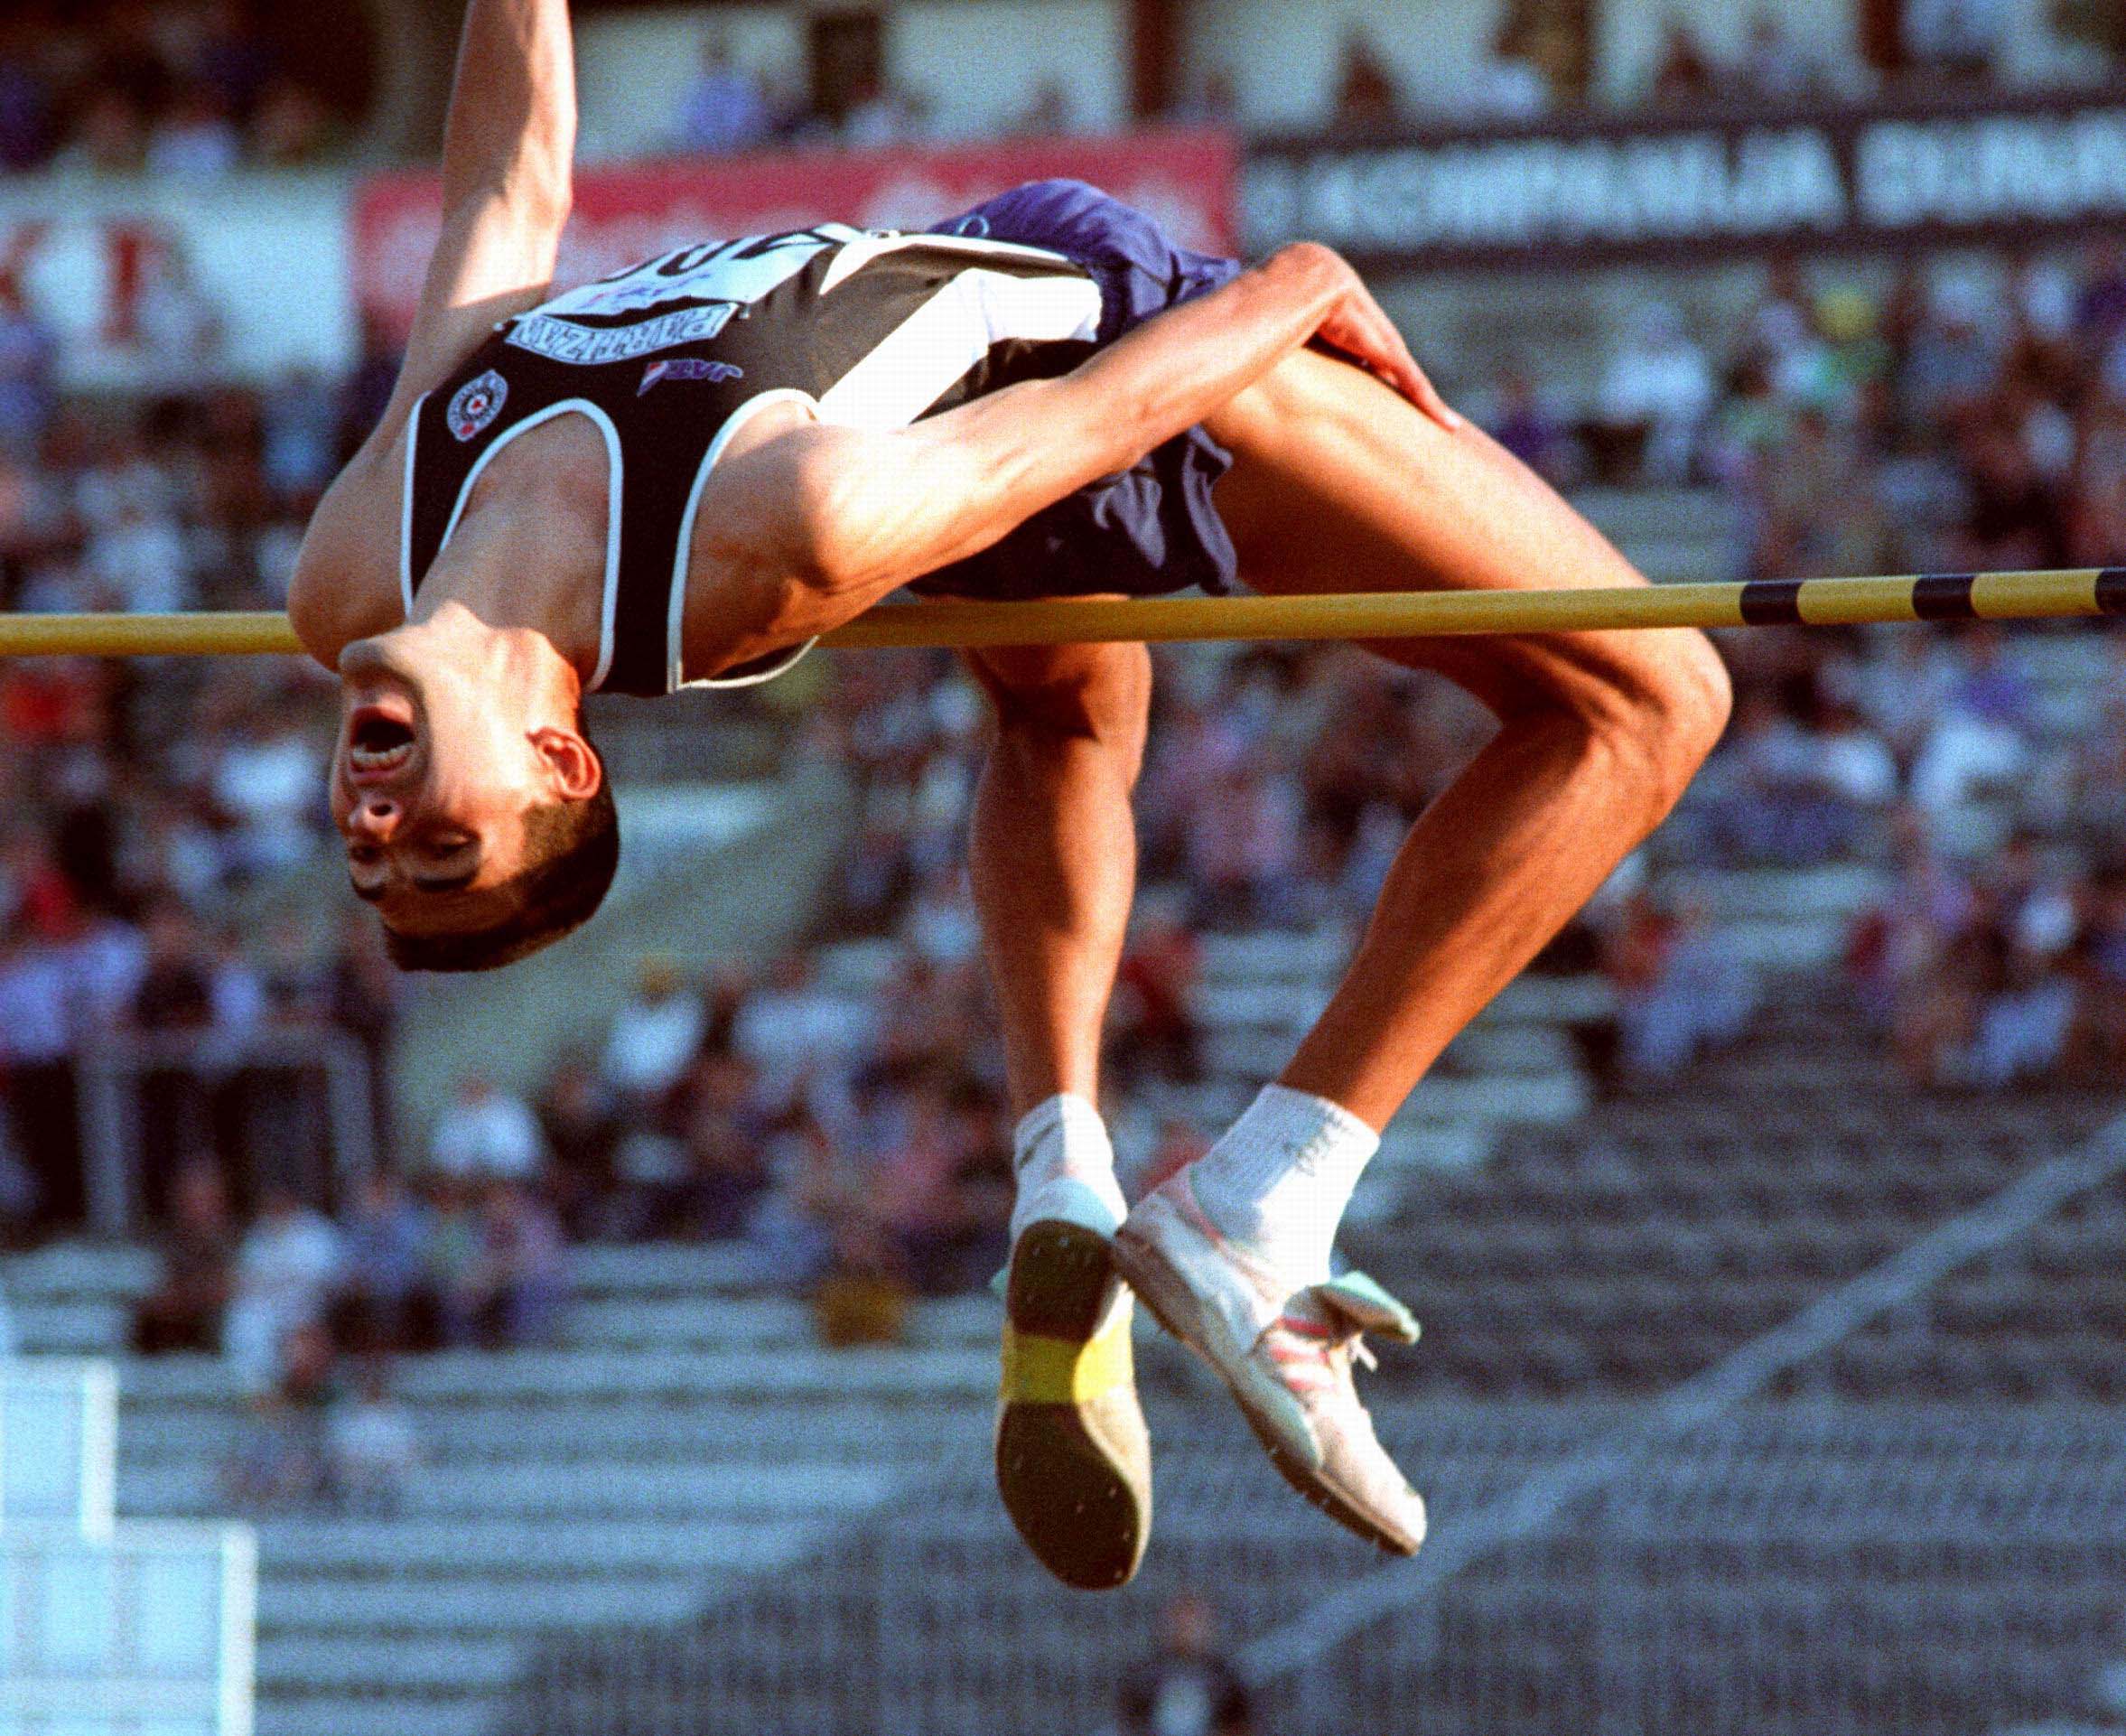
2110,590
1944,596
1772,603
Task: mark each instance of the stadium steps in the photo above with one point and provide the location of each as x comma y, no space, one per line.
696,900
682,1441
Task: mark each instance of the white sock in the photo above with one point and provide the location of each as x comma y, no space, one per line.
1065,1166
1278,1181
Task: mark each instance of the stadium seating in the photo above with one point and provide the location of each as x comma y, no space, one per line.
689,1517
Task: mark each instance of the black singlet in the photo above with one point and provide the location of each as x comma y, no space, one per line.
668,359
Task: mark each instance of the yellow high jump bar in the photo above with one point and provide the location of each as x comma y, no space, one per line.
1423,614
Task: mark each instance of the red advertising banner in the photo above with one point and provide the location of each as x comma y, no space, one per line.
625,214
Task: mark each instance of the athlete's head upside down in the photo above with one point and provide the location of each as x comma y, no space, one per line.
477,814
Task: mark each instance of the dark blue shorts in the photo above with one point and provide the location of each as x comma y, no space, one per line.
1153,529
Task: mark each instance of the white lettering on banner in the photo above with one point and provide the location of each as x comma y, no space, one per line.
1522,192
1791,182
1999,168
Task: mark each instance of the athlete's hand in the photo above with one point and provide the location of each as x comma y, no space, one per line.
1358,328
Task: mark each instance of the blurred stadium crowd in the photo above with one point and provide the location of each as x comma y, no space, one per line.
189,88
197,88
1954,421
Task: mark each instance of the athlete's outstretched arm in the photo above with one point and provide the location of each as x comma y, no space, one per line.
507,147
862,513
506,150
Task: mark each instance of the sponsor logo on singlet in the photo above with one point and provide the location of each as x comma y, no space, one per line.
682,297
687,368
477,403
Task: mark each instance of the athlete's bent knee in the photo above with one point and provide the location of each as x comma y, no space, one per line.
1101,693
1679,712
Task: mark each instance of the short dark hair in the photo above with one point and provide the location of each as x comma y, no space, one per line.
572,849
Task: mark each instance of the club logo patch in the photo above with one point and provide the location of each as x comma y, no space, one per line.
686,367
477,403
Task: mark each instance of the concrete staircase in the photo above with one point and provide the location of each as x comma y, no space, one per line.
682,1439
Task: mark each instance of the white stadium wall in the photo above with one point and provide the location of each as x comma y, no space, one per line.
1284,58
633,68
976,63
979,62
268,253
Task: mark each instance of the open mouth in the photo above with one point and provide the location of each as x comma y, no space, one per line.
376,742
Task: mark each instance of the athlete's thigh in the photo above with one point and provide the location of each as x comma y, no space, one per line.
1338,484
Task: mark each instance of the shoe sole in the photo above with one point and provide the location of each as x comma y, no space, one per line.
1175,1307
1075,1476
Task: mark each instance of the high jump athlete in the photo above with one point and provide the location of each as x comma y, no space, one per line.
681,475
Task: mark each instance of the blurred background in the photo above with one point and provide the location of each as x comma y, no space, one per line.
604,1348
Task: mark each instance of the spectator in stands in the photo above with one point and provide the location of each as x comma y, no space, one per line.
110,134
384,1267
1243,847
197,1249
1656,395
1047,112
1521,422
281,1459
486,1133
26,99
796,1034
581,1125
37,1069
1955,354
1151,1021
195,137
374,1448
173,1003
290,128
1367,100
508,1292
720,1122
1684,76
1189,1687
724,110
791,1231
286,1268
653,1036
1680,993
1776,67
1956,42
262,782
29,361
931,1149
1509,83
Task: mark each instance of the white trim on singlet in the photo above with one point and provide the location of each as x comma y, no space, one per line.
579,407
682,557
855,255
916,363
406,514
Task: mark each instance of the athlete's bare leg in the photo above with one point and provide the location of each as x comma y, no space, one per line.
1053,854
1054,862
1339,485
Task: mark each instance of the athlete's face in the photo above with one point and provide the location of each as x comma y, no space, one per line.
432,778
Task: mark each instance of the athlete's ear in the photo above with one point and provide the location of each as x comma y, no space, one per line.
571,761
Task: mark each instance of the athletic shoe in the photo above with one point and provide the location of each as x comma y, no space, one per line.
1285,1354
1073,1459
